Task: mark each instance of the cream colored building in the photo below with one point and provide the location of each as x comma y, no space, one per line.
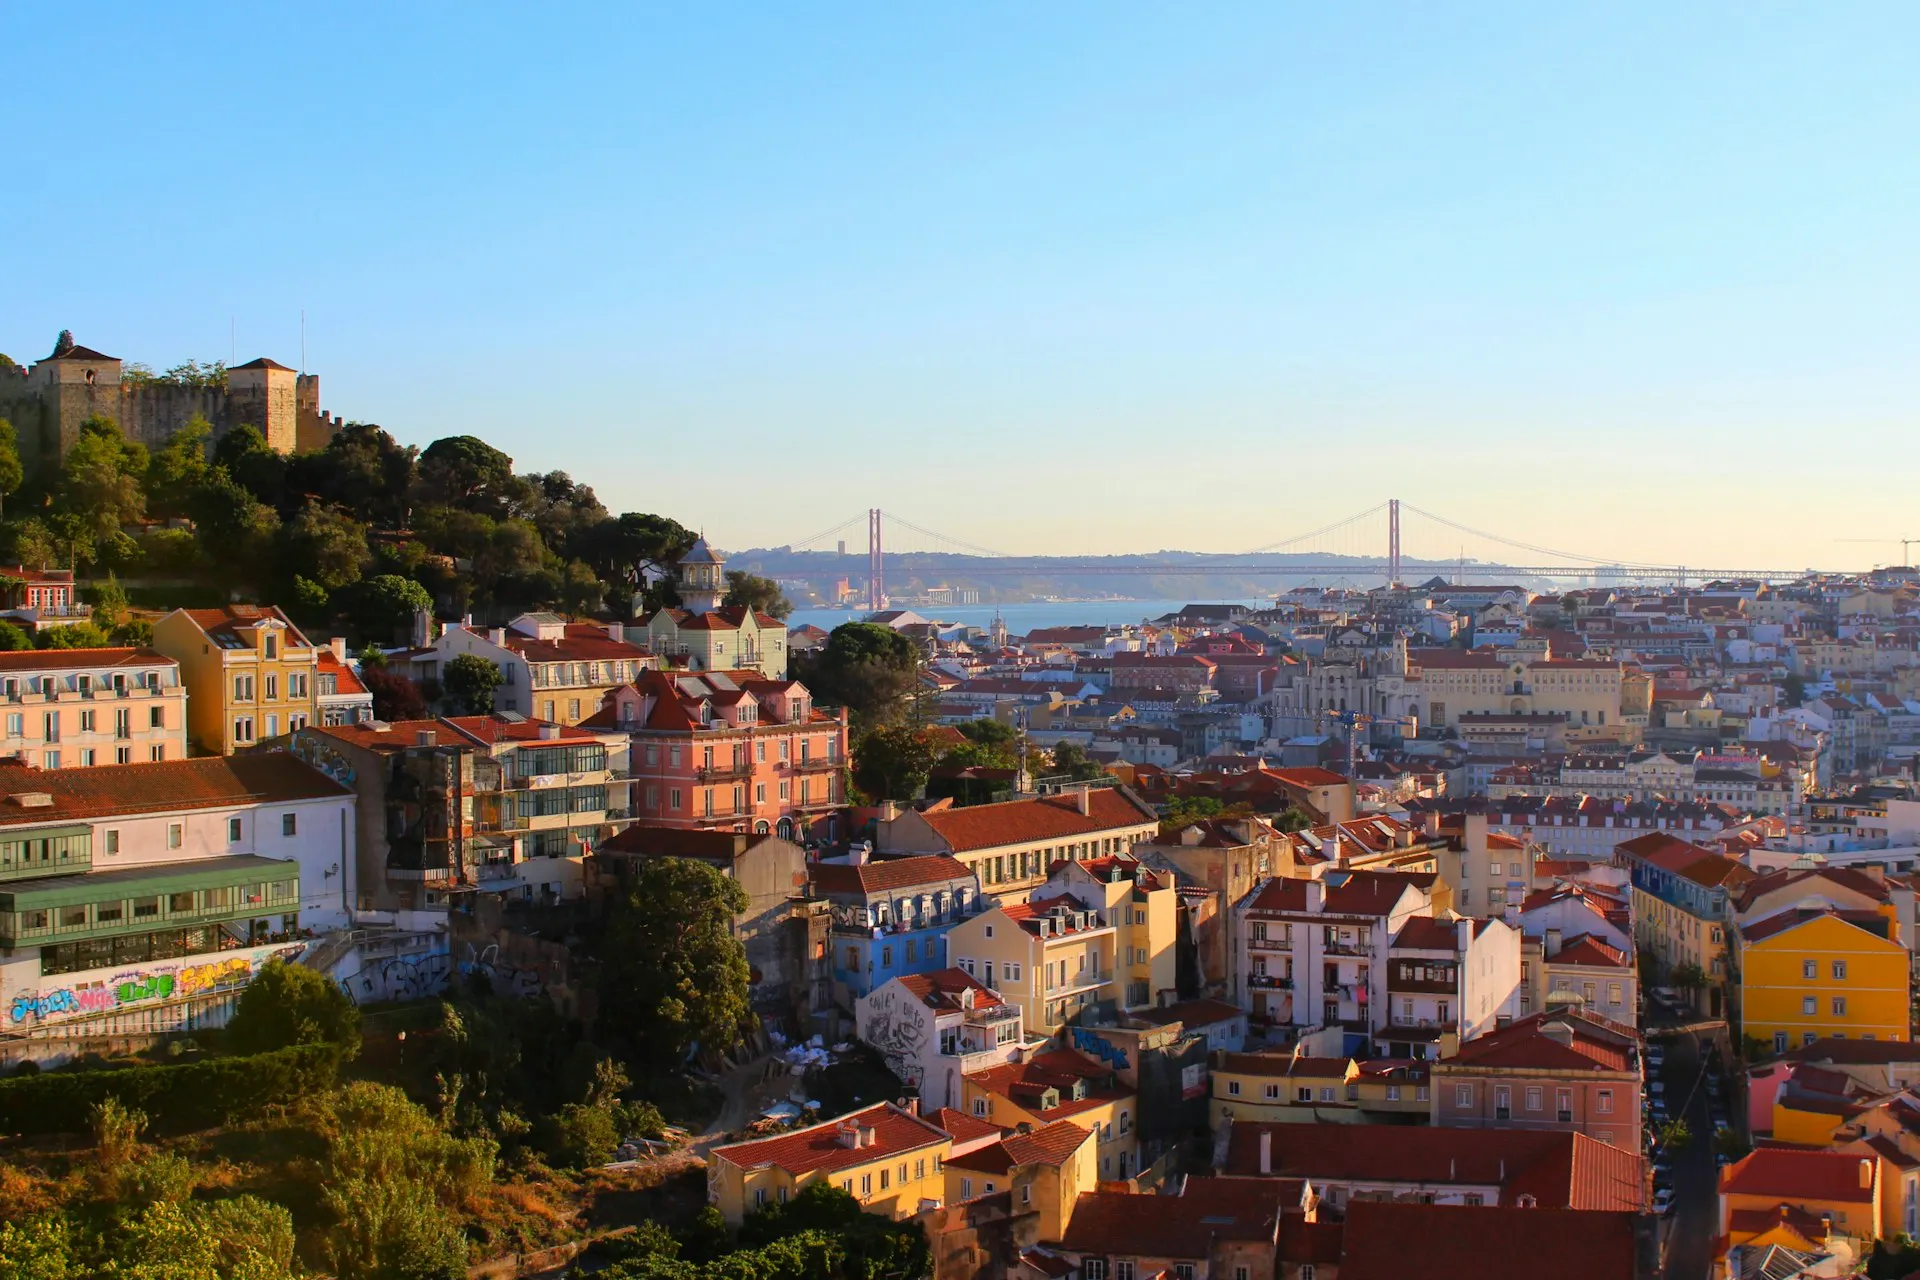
78,708
1013,845
1098,931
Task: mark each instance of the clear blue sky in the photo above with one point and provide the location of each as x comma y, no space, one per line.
1635,279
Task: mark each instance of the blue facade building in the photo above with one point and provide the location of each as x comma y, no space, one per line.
890,918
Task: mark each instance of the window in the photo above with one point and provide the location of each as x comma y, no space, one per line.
158,751
1603,1102
1563,1104
1093,1268
243,729
1463,1095
1809,1005
1533,1097
966,1188
1303,1094
173,835
271,644
272,686
1809,968
1273,1092
1839,970
289,824
243,688
233,831
1123,1269
1393,1093
980,1106
1306,1271
1233,1088
1839,1006
1502,1103
1183,1271
1326,1093
89,721
113,841
866,1184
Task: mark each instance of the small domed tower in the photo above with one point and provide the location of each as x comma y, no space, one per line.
703,578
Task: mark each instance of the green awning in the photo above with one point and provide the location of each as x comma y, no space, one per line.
144,882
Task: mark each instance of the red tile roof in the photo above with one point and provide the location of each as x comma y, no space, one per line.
23,660
1183,1226
1799,1175
1284,1064
963,1127
989,826
1559,1170
345,678
941,989
1353,893
580,642
1193,1014
1775,925
1451,1242
1591,951
1049,1144
1060,1069
1592,1044
888,875
234,617
819,1149
161,787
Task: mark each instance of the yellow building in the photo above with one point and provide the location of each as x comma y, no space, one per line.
248,672
1808,973
1100,930
1043,1172
887,1158
1287,1088
1061,1085
1808,1194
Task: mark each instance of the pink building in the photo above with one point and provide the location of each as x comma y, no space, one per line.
730,750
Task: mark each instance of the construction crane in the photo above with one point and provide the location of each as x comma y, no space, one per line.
1906,556
1355,720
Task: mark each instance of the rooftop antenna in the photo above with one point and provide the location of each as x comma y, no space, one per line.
303,340
233,341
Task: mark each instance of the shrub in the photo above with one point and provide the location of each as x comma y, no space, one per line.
192,1095
290,1004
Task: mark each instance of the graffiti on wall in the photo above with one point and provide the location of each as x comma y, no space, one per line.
1099,1047
86,995
505,979
895,1023
401,978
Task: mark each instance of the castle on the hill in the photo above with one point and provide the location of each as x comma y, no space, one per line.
47,403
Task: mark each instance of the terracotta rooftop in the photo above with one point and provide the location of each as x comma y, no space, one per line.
1193,1014
1182,1226
717,847
988,826
1284,1064
888,875
1775,925
942,989
20,661
224,625
580,642
820,1149
965,1128
1803,1176
160,787
1450,1242
345,678
1591,951
1560,1170
1552,1041
1060,1069
1353,893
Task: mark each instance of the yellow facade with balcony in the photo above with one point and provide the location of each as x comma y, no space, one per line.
249,673
892,1161
1806,974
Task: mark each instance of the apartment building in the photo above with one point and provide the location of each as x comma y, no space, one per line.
550,669
250,674
141,898
1562,1069
1215,862
1290,1088
1013,845
1100,932
1312,953
1682,906
884,1156
704,634
937,1027
1448,981
500,804
1809,973
80,708
1214,1227
891,918
338,692
1061,1084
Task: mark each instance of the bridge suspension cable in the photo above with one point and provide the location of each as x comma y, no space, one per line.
828,532
959,543
1315,533
1605,561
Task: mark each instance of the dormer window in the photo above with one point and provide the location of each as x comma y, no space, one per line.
270,645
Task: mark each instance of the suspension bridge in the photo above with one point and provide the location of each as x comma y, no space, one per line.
1388,543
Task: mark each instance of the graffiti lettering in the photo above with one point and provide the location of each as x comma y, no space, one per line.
505,979
405,978
1099,1047
106,994
30,1004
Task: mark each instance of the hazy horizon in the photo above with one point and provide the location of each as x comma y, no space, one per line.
1073,280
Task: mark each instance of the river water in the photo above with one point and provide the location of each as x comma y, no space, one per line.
1022,618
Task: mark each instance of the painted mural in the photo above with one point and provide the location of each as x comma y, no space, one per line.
895,1022
96,992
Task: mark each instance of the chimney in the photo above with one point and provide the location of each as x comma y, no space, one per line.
889,810
1463,930
911,1105
616,631
1083,800
1266,1151
1866,1175
425,738
339,646
422,628
1316,896
549,732
497,636
857,854
1552,944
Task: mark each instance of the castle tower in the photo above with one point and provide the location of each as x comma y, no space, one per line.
265,393
703,578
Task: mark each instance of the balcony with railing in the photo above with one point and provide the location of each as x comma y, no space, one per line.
1281,943
815,764
1086,980
1269,982
725,771
1336,947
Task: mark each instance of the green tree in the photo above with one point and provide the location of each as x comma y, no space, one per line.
83,635
871,670
394,696
632,552
673,972
327,546
1673,1136
762,595
893,763
13,639
466,472
178,469
235,528
39,1248
12,473
100,478
583,1135
1291,820
383,607
581,592
289,1004
109,601
363,470
253,464
874,1246
30,542
1072,760
1793,690
470,680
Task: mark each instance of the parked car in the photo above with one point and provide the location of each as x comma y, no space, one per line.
1663,1200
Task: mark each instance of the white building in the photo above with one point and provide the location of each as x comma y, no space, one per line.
140,898
934,1029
